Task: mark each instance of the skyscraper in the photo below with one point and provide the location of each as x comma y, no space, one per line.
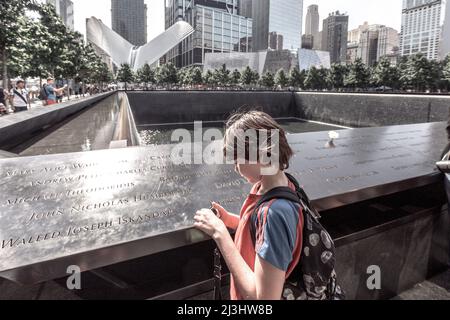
368,46
388,42
424,28
129,19
218,28
245,8
64,8
334,36
312,26
280,17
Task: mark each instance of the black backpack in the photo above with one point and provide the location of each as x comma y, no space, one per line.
43,94
314,278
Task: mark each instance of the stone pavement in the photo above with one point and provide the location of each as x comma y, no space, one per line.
437,288
37,103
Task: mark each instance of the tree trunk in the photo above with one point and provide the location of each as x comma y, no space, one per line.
5,70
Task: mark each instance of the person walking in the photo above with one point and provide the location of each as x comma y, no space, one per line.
19,97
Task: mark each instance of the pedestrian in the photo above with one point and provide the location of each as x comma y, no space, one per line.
19,97
52,92
3,109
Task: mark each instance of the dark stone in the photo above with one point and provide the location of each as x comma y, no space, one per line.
372,110
21,127
100,208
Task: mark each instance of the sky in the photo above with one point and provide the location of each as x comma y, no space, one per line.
387,12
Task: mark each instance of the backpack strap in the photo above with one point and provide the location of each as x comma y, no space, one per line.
277,193
20,96
299,196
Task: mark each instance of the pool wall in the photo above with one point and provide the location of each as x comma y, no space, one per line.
354,110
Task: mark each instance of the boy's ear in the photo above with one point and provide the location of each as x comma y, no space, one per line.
269,170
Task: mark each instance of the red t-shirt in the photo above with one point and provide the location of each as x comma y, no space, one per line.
244,242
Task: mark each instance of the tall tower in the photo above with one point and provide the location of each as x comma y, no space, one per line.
424,28
219,28
312,26
334,36
64,8
129,19
245,8
280,20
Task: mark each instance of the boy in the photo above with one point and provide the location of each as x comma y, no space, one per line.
258,270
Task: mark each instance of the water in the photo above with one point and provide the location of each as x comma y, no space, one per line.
92,129
162,134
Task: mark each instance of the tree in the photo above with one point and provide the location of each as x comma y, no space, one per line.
436,79
167,74
146,75
125,74
297,78
222,76
254,77
281,79
384,74
358,75
417,73
315,79
209,78
184,76
197,77
12,33
267,80
235,77
247,76
446,71
337,75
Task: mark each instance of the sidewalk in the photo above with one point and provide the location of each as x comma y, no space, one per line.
38,103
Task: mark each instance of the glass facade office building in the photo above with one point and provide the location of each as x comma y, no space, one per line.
129,19
277,24
424,28
218,29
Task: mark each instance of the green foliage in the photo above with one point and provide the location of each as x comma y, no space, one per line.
281,79
316,79
358,75
249,77
167,74
336,76
297,78
125,74
146,75
268,80
235,77
197,77
384,74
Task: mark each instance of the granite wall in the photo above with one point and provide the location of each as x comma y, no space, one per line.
354,110
372,110
173,107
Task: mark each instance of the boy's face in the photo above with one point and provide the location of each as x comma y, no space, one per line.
251,172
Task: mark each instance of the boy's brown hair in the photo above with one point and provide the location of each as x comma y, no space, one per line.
256,120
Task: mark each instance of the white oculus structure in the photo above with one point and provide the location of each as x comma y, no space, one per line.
121,51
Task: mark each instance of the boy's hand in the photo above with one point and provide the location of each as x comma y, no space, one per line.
209,223
222,213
